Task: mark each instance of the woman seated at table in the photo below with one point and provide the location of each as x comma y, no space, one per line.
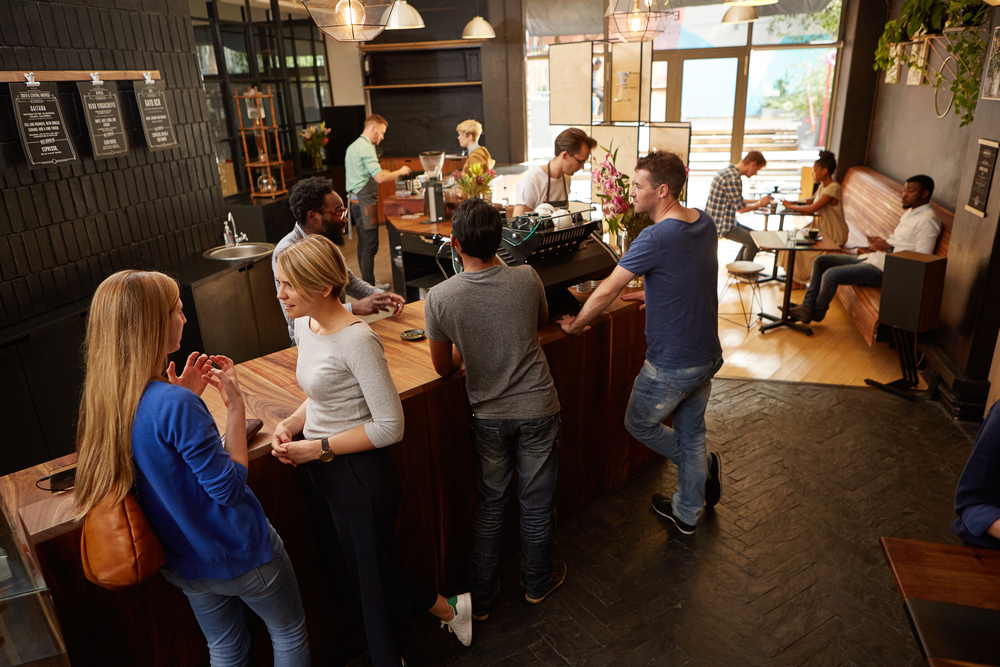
827,205
142,427
351,415
469,132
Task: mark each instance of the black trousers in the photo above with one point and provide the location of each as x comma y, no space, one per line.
362,492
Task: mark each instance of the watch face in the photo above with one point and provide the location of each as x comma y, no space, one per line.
326,456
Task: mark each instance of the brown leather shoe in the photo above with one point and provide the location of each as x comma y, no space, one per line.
803,314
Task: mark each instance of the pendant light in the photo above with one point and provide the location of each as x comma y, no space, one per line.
740,14
404,17
637,20
478,28
350,20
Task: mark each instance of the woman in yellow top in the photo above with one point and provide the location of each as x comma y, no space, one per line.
469,132
827,205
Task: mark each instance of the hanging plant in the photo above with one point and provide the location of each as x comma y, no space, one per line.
966,48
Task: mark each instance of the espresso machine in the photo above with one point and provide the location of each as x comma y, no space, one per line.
432,162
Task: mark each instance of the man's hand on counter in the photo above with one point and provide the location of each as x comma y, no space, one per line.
371,305
568,324
636,296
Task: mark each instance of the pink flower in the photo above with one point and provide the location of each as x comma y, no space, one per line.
325,141
307,135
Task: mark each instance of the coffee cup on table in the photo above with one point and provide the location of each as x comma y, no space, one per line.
813,234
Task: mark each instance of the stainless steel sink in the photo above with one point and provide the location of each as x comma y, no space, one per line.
242,252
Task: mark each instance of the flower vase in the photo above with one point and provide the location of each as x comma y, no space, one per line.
623,244
317,161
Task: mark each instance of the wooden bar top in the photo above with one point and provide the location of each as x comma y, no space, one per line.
944,572
271,393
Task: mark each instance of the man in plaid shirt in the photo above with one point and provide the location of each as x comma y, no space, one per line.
725,200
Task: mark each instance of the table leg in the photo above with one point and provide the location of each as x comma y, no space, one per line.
784,320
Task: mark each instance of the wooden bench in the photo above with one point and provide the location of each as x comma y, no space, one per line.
872,206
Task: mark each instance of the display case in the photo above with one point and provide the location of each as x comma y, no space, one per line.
264,166
29,631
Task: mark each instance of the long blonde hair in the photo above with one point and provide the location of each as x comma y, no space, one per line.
127,331
312,264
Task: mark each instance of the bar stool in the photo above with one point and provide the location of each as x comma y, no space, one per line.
749,273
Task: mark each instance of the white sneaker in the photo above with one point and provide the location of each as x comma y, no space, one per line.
461,625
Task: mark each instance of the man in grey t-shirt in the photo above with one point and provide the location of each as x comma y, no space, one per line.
489,316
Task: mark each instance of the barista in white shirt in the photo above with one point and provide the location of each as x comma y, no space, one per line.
917,231
550,182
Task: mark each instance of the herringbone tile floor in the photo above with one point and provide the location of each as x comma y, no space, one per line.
785,571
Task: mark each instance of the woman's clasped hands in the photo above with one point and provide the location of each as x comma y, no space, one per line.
289,451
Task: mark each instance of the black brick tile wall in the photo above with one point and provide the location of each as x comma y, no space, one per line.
63,230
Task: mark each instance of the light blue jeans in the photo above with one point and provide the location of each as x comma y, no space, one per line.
501,445
269,590
684,392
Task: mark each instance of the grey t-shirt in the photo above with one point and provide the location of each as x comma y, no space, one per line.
346,379
492,317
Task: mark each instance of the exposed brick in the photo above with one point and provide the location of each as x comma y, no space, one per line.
7,28
97,183
34,23
69,239
62,283
44,243
28,212
40,204
60,24
89,196
23,297
52,200
51,295
11,310
97,24
32,252
8,270
58,244
82,238
13,206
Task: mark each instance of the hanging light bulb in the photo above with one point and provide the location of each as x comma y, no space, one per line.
350,12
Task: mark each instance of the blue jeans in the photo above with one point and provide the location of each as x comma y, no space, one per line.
656,394
831,271
502,444
269,590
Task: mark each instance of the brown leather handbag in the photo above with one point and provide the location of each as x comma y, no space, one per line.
118,547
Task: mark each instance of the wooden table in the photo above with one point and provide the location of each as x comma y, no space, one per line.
152,624
768,211
777,241
944,573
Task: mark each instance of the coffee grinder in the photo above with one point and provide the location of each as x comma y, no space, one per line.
432,162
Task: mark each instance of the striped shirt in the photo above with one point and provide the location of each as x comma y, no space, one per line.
725,198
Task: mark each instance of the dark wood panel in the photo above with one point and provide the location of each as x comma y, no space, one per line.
23,444
424,119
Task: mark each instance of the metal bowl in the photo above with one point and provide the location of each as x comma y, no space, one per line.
238,253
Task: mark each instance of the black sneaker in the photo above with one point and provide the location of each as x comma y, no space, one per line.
713,485
662,507
558,577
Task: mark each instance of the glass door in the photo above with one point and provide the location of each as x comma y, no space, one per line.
707,89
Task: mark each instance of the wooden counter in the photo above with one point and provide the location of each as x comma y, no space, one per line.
153,625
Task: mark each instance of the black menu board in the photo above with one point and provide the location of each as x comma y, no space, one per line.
42,125
985,161
156,125
104,120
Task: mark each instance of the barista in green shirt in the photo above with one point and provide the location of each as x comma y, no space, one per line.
363,174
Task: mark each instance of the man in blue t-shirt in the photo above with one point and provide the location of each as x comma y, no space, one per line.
677,256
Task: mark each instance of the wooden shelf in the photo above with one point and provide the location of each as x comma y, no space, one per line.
258,164
451,84
424,46
76,75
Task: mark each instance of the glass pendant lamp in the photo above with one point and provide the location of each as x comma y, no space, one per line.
350,20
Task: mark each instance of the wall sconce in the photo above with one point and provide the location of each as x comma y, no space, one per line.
740,14
404,17
637,20
478,28
350,20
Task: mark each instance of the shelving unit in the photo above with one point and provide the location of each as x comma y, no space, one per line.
260,131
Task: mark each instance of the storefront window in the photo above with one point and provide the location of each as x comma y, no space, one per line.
701,28
823,26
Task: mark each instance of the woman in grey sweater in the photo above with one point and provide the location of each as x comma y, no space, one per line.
351,414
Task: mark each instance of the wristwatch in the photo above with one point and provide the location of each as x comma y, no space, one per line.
327,454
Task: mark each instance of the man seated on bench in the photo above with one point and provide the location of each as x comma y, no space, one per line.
917,231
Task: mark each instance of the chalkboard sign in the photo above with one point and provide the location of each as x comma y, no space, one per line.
104,120
156,125
42,125
983,177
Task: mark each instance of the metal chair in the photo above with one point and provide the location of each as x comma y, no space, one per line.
744,273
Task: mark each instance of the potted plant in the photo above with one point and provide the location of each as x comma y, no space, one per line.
474,180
